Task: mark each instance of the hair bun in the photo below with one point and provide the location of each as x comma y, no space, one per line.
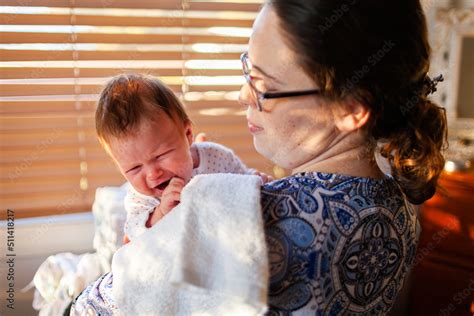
415,152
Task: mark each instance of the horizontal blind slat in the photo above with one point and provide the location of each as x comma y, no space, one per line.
22,157
39,89
143,4
29,122
209,104
28,37
51,55
42,72
146,4
140,21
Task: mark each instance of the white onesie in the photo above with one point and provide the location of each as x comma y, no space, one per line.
213,158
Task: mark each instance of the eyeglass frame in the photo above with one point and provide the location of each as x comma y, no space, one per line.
261,96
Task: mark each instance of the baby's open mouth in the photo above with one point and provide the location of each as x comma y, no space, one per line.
163,185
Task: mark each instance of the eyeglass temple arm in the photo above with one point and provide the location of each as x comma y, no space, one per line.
275,95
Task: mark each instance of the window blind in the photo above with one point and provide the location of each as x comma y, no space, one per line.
57,55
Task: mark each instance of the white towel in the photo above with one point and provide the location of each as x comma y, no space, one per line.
206,257
109,217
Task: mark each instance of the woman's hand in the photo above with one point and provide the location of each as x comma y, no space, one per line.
263,176
201,137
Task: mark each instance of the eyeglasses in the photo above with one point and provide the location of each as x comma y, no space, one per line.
262,96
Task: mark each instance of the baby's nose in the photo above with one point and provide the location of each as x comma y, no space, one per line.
154,173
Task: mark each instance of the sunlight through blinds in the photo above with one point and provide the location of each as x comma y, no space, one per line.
56,56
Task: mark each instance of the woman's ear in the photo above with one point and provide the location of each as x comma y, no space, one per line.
351,116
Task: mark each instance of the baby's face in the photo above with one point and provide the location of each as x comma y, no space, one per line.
158,151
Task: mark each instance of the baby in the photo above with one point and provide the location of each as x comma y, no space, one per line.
144,128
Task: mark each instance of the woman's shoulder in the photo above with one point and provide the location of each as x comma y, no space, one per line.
329,226
306,189
341,200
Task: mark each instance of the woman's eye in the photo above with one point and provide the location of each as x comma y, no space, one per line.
264,87
260,85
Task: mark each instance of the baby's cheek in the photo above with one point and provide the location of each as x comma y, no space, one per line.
183,167
139,184
189,172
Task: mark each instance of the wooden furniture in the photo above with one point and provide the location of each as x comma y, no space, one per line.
443,272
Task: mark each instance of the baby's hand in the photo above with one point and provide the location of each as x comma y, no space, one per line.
171,195
170,198
265,177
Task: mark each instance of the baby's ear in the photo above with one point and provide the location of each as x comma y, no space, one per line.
188,128
351,116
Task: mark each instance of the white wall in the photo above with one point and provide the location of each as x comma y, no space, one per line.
36,239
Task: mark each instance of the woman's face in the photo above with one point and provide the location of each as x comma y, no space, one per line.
289,131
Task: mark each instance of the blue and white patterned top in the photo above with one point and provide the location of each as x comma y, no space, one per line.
338,245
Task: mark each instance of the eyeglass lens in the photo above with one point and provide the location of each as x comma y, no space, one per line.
247,67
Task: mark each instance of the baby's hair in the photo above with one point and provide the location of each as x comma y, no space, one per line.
127,99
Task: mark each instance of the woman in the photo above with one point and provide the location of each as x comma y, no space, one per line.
326,82
340,233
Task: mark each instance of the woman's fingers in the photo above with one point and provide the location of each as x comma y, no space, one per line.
263,176
201,137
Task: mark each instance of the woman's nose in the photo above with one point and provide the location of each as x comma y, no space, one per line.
246,97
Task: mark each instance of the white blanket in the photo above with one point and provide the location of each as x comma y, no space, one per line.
206,257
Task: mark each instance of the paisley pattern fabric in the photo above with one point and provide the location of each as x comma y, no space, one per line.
96,299
338,245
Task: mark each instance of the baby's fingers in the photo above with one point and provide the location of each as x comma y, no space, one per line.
170,201
175,183
174,196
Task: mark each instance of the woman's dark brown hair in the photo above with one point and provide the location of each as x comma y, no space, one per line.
377,52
